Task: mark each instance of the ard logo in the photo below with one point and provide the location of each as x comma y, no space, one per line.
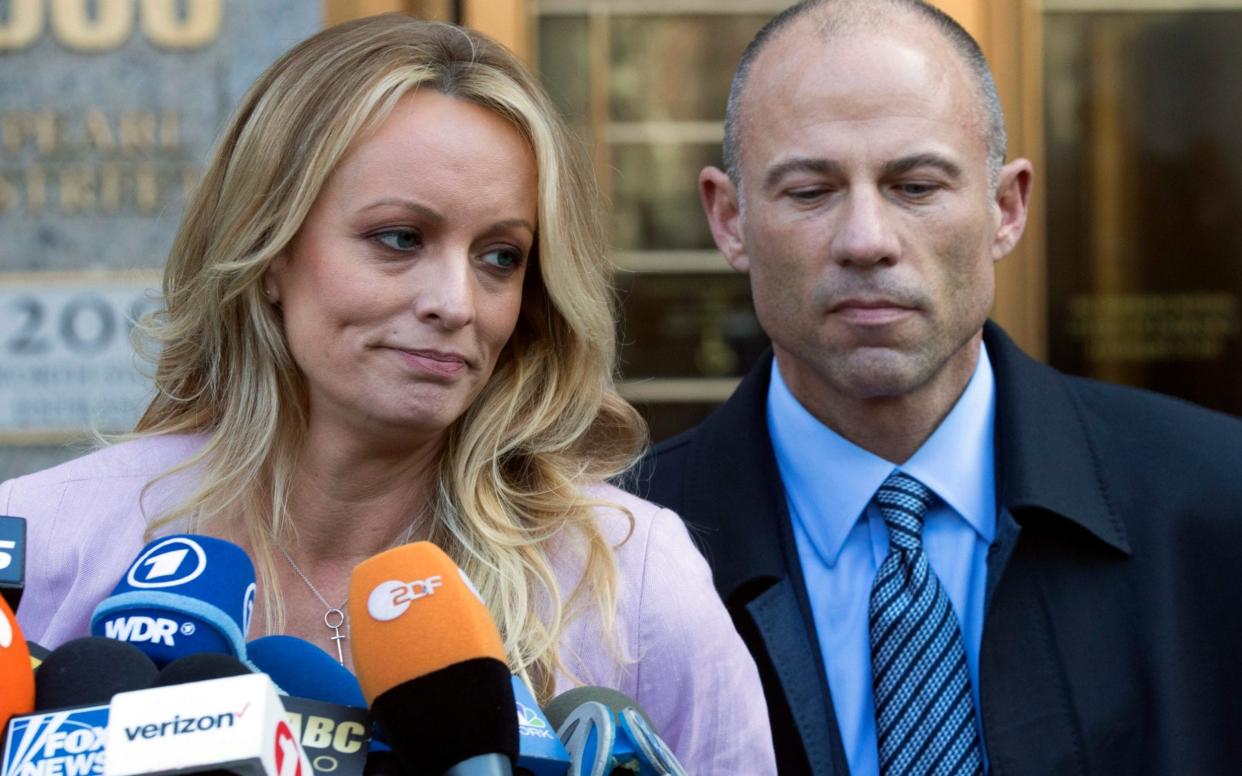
172,562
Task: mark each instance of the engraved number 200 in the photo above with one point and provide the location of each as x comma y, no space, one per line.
74,26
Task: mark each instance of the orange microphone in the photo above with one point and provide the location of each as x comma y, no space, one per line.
17,689
431,663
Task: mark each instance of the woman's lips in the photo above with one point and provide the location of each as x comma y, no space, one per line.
433,362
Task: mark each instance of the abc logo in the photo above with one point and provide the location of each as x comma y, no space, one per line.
169,563
390,599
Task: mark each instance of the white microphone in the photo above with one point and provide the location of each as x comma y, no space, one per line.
236,723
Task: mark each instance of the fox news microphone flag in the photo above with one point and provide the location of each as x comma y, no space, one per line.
17,689
182,595
431,663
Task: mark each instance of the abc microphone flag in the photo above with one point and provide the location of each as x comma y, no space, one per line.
431,663
182,595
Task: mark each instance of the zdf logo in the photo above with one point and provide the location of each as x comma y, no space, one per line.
390,599
169,563
6,630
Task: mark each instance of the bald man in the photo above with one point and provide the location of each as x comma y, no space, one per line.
945,557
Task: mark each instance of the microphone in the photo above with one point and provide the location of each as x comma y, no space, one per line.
236,723
38,653
200,668
17,686
12,559
540,752
89,671
432,664
605,730
325,705
72,690
182,595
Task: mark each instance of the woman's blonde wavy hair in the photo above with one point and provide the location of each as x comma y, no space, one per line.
549,420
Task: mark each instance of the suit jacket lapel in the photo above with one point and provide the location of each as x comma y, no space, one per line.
733,474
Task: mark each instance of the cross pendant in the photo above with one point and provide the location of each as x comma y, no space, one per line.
334,619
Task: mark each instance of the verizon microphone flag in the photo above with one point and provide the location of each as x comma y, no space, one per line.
237,723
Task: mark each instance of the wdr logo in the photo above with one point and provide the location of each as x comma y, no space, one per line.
63,743
172,562
139,629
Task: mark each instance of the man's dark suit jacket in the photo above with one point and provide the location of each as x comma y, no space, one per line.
1112,639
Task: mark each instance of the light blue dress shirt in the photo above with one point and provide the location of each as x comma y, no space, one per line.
842,540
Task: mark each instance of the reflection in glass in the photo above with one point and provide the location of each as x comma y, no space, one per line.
687,326
655,200
1145,200
675,67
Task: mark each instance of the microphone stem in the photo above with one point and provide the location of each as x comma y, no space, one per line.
483,765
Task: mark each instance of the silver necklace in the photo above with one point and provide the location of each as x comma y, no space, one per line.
334,618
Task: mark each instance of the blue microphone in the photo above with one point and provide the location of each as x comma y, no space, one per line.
540,752
182,595
325,704
304,670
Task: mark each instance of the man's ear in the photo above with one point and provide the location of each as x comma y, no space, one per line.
720,203
1013,191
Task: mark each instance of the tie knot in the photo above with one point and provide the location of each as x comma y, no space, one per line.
903,501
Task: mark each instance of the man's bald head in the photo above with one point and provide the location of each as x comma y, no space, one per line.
831,17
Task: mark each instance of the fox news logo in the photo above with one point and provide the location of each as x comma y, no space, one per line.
174,561
62,743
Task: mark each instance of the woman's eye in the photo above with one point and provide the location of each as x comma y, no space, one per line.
400,239
503,258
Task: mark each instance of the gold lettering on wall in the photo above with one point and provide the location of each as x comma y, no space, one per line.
111,26
1155,327
101,189
24,24
199,27
74,26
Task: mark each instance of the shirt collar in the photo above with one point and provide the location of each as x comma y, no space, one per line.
829,480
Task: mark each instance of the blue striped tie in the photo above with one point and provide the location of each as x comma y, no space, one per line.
924,711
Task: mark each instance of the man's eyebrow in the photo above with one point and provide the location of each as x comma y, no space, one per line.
908,163
800,164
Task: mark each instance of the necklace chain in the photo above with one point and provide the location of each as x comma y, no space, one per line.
334,618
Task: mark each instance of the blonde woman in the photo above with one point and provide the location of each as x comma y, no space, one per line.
388,318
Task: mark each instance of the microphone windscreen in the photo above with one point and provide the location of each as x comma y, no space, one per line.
89,671
200,668
304,670
559,707
430,660
17,685
412,611
182,595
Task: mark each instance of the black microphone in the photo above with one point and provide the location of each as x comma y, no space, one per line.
12,559
73,687
89,671
200,668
